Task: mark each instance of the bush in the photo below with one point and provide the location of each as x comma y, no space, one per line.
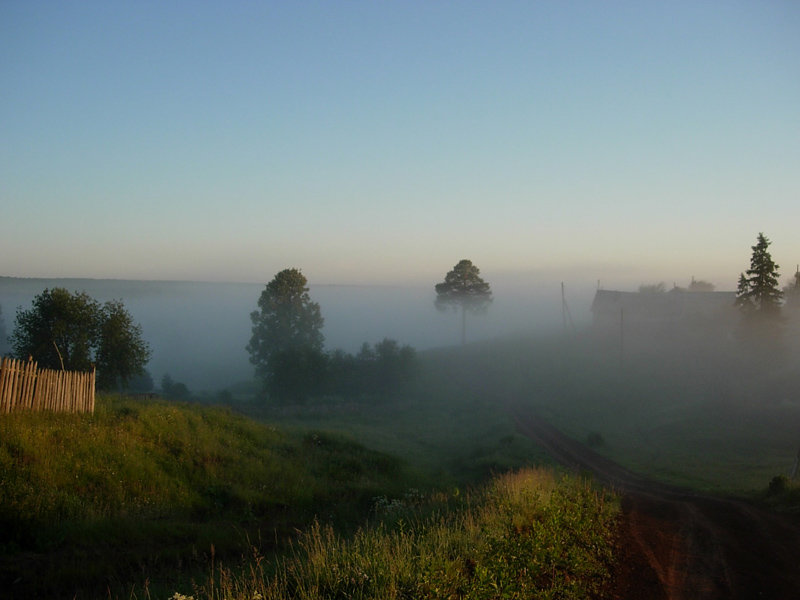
778,485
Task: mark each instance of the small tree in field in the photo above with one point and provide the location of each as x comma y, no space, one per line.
463,288
286,345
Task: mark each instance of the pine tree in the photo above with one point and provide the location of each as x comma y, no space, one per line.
463,287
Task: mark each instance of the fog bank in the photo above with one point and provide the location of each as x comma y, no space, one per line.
198,331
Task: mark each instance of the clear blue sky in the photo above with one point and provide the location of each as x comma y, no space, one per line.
384,141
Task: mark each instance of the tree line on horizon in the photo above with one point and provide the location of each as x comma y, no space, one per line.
72,331
286,346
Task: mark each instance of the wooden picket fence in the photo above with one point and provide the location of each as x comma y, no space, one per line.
23,386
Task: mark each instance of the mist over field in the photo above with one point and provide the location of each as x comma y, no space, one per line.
198,331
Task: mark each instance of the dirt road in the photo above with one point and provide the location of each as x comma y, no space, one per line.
676,544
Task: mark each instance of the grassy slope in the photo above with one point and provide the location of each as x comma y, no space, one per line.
525,534
449,424
144,485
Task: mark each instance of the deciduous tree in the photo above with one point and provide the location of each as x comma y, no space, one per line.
72,331
463,288
59,331
121,353
286,342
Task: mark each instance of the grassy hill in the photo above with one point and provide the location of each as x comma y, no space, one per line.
147,487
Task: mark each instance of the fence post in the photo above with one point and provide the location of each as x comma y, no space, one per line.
4,370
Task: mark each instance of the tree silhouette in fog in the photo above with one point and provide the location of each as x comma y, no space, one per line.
758,295
286,345
760,287
463,288
792,291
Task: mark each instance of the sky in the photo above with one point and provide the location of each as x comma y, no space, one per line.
382,142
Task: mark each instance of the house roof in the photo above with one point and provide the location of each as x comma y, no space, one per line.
675,303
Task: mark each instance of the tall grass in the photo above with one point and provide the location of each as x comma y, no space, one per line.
143,488
527,534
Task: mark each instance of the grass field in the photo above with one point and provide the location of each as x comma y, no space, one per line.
696,416
148,487
144,493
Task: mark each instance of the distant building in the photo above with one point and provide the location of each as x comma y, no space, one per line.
675,307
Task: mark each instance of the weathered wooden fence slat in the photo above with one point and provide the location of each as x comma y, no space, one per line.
23,386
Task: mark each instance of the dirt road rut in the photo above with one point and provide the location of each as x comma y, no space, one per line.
679,545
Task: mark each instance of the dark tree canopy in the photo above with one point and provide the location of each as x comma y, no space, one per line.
286,344
59,331
174,390
72,331
759,300
758,294
463,288
698,285
653,288
121,353
791,291
4,346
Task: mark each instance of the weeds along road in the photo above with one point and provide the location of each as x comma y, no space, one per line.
676,544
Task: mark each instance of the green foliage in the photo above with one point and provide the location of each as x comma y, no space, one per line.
525,535
296,373
174,390
59,331
72,331
463,288
286,342
381,370
121,352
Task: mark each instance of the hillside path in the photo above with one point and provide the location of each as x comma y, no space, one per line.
676,544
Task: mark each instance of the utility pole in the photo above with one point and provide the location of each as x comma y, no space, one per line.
565,313
621,336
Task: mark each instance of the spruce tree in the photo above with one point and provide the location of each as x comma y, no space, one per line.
759,297
762,280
